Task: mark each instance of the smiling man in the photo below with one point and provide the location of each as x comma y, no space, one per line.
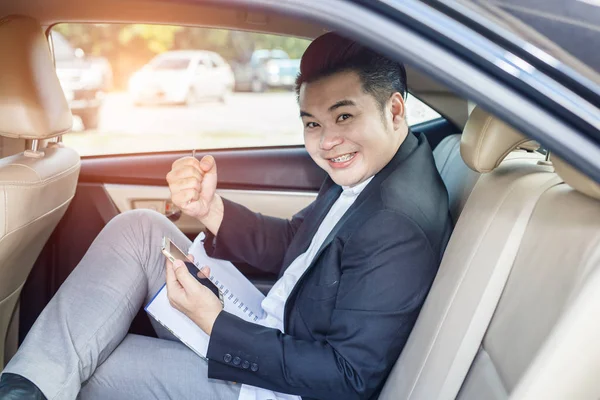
354,267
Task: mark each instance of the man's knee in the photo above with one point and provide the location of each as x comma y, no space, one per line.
141,221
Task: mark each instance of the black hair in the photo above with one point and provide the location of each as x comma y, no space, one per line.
331,54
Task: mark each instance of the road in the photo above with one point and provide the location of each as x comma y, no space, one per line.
244,120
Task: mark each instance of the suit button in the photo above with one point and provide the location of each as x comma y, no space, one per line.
245,364
237,361
227,358
254,367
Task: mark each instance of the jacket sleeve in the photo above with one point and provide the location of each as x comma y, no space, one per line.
252,238
387,268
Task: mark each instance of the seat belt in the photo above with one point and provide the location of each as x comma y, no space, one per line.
491,296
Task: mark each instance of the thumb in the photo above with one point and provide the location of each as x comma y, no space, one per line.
183,275
208,166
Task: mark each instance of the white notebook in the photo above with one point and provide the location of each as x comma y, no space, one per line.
240,297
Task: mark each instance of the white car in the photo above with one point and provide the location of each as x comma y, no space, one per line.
182,77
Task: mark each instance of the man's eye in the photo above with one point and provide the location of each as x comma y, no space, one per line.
311,125
344,117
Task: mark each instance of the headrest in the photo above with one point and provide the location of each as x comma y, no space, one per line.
530,145
486,141
32,102
575,179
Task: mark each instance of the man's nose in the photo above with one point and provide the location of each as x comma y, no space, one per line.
330,138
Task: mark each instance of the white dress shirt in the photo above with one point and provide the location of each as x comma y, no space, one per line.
274,303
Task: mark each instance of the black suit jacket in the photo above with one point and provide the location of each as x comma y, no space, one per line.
351,312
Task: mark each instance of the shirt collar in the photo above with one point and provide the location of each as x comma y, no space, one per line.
356,189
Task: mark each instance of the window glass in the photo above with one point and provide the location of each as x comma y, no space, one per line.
167,63
132,90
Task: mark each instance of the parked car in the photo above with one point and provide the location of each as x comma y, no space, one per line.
266,69
83,80
182,77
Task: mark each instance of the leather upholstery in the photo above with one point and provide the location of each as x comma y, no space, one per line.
486,141
576,179
35,191
542,340
458,178
33,104
475,244
530,145
536,327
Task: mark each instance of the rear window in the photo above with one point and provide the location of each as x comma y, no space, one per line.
170,64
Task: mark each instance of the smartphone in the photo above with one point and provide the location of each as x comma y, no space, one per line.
172,252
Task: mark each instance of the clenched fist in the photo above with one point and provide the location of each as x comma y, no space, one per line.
193,186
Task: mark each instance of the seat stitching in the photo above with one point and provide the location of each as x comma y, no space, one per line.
25,166
42,182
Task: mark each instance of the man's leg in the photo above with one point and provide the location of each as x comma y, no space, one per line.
147,368
92,311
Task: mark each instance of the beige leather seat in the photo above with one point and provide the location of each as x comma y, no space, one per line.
458,178
551,280
36,186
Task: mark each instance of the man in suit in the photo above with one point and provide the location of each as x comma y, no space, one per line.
354,267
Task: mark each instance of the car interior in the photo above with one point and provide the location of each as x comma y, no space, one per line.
510,199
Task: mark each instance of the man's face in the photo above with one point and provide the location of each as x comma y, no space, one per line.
344,129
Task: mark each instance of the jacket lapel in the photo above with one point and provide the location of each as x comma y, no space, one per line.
311,223
409,145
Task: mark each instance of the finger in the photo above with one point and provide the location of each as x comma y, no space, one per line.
172,283
204,273
176,185
209,181
208,164
190,257
185,197
188,170
186,161
189,283
186,183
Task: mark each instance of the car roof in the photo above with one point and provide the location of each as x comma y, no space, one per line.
564,29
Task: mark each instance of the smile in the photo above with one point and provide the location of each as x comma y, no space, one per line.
343,158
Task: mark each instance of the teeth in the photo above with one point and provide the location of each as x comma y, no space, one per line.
343,158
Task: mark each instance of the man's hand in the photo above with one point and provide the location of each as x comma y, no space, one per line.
193,186
190,297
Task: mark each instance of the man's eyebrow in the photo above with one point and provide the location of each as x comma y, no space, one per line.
341,103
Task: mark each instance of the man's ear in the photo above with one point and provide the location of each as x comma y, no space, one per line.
397,110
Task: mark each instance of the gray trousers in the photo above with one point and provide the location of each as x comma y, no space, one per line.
79,346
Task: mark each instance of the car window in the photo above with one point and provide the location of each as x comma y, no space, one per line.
170,64
61,48
132,92
218,61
